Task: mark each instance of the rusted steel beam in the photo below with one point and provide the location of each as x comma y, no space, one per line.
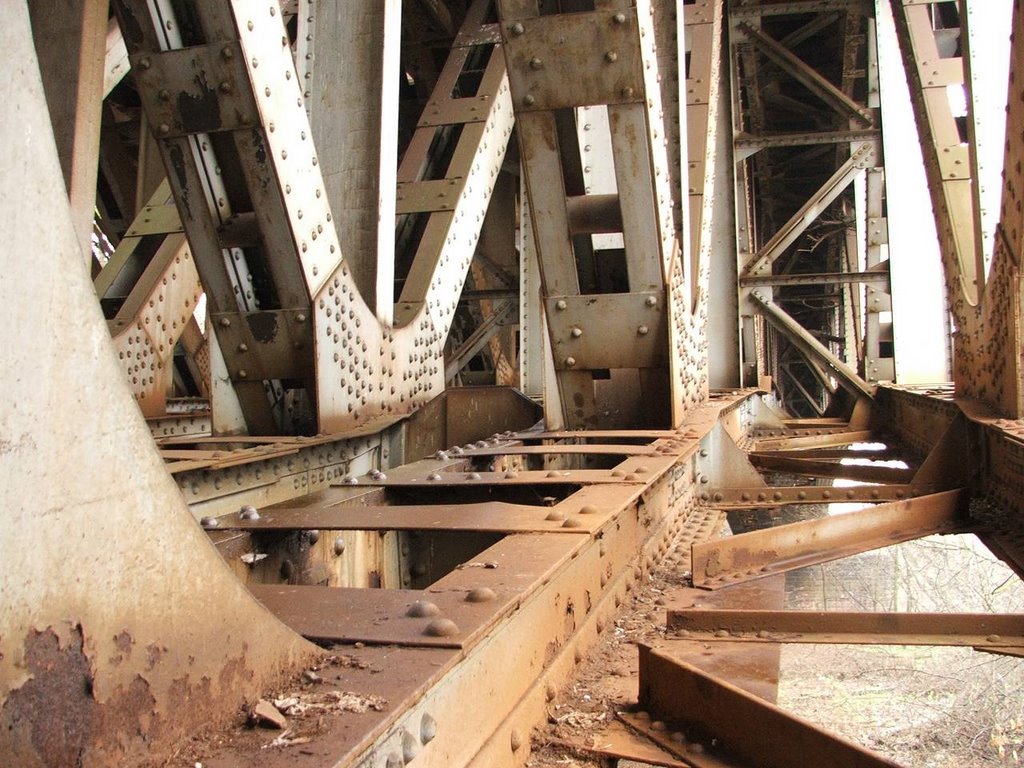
738,724
887,453
757,498
827,440
809,542
850,627
809,467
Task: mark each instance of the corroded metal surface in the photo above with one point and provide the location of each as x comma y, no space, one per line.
780,549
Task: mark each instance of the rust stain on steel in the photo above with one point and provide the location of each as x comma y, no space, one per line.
772,496
809,542
769,626
867,473
55,718
755,669
742,725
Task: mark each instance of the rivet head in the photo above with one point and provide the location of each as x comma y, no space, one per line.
227,52
481,595
619,18
572,522
339,546
576,332
248,512
225,87
650,301
225,322
517,29
422,608
410,747
441,628
209,522
164,94
561,304
145,63
570,362
643,330
536,63
588,509
529,100
428,728
555,516
163,129
611,56
243,374
515,740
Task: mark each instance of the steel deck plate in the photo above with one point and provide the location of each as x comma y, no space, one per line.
511,569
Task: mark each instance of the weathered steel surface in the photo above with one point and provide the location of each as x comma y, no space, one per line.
756,497
866,473
820,438
526,477
491,516
741,724
787,547
970,629
563,449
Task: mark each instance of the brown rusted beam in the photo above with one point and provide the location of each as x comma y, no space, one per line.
828,440
863,472
729,722
849,627
888,453
776,496
809,542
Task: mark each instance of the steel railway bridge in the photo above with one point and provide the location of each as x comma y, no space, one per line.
421,331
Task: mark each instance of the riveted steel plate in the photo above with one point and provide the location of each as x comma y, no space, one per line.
492,516
510,569
473,109
595,450
598,434
155,220
201,89
611,330
274,344
428,196
545,60
531,477
378,616
757,498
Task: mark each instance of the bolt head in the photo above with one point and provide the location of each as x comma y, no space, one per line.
561,304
